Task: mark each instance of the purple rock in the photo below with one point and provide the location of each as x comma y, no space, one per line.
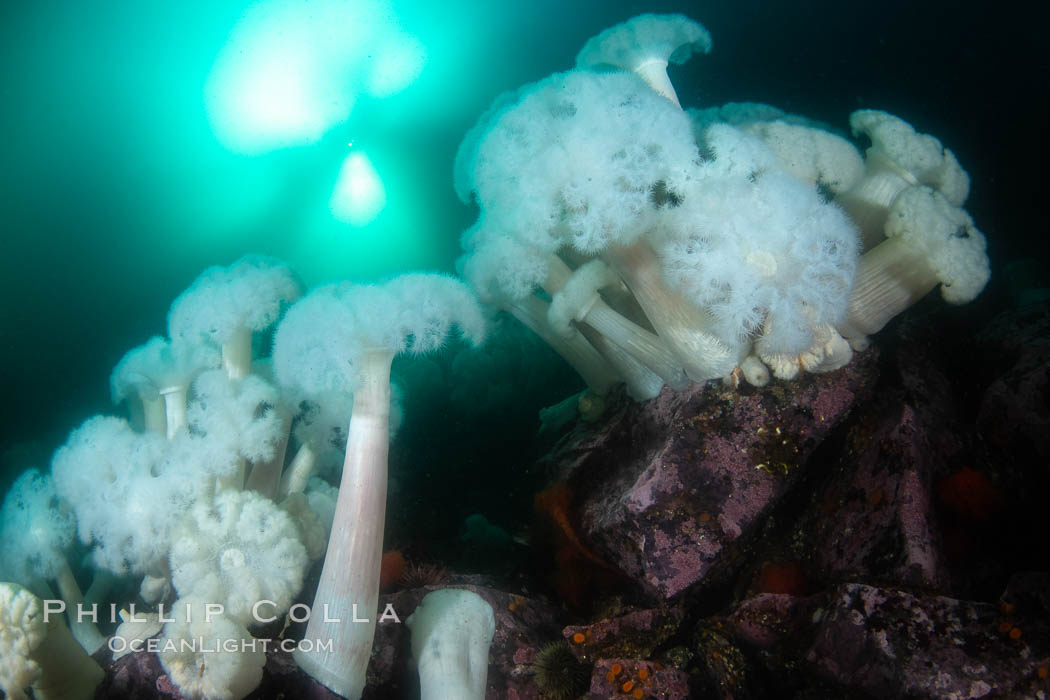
889,643
874,521
131,676
880,642
1014,413
619,678
636,634
671,489
771,620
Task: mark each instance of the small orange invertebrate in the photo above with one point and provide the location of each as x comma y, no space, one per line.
391,567
970,493
781,577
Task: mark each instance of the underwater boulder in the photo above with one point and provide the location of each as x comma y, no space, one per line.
673,489
887,643
631,678
855,640
1014,413
874,520
132,677
636,634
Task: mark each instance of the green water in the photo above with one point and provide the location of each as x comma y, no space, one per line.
116,190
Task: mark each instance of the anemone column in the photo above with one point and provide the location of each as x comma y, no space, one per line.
349,587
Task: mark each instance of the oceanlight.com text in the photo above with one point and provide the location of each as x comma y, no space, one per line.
202,645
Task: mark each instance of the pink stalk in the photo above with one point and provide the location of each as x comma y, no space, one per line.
349,585
265,477
352,334
298,473
678,322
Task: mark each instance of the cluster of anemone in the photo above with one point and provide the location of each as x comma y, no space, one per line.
648,245
196,499
652,245
180,497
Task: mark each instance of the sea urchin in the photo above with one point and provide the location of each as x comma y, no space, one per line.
559,674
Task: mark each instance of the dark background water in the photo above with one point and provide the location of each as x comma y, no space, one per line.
114,195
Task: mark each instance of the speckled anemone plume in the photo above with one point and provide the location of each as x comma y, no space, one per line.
575,159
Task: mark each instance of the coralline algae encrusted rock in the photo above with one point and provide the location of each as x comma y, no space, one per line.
620,678
889,643
894,644
873,520
635,634
671,488
1014,413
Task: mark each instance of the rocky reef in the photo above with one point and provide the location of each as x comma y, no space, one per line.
870,532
